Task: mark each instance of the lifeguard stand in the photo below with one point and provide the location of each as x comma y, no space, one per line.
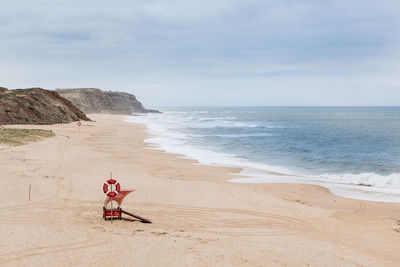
116,213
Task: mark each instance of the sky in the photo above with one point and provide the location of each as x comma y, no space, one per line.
207,53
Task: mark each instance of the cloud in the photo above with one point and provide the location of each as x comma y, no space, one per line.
178,48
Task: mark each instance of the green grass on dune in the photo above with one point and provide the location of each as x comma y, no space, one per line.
16,137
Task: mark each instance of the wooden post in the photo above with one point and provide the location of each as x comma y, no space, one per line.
29,198
111,201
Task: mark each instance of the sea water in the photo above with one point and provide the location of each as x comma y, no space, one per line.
354,151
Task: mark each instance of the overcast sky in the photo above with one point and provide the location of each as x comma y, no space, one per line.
182,52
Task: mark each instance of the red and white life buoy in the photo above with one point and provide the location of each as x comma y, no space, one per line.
106,188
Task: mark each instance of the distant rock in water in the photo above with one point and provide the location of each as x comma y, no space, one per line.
91,100
36,106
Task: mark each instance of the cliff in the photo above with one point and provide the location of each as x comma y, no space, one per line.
36,106
91,100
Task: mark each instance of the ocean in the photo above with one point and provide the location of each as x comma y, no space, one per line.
353,151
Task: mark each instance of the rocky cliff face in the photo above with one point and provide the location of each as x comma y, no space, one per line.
36,106
91,100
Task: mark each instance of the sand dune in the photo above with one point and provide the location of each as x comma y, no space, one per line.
199,219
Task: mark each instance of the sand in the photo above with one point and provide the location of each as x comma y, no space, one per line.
199,219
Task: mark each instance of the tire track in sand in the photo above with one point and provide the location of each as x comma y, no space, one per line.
20,254
221,220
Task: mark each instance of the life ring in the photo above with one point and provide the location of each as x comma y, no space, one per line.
106,188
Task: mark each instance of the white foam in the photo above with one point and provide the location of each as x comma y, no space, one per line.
391,181
346,188
164,134
216,118
207,124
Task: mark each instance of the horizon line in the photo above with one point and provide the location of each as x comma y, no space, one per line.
278,106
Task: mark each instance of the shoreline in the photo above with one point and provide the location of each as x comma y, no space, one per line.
262,173
199,219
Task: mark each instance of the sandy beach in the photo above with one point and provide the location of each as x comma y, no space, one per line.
199,219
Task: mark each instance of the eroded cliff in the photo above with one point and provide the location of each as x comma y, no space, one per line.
36,106
91,100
